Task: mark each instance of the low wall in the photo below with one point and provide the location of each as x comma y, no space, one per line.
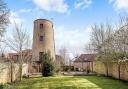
113,70
6,74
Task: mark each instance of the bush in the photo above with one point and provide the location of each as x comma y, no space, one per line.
6,86
66,68
47,65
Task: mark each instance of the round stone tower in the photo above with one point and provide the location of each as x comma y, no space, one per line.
43,39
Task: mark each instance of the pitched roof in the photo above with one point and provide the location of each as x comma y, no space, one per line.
23,51
85,58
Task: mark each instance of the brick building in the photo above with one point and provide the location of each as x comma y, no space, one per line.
84,62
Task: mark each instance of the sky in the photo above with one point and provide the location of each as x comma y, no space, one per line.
72,19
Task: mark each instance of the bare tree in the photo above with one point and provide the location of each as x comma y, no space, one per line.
67,61
4,16
4,21
19,42
100,39
89,48
111,44
3,47
63,53
120,43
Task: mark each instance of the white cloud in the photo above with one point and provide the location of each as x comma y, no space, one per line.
14,17
83,4
74,40
52,5
120,5
25,10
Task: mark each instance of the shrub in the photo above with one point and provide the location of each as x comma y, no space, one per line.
6,86
47,65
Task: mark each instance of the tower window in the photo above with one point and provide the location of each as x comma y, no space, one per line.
41,38
41,26
41,55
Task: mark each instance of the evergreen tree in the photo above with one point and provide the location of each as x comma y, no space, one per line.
47,65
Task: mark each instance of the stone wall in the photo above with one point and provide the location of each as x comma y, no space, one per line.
5,72
113,70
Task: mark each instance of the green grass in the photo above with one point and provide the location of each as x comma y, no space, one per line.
71,82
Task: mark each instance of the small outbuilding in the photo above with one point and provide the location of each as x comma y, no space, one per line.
84,62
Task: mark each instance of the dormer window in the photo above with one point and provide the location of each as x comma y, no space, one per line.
41,26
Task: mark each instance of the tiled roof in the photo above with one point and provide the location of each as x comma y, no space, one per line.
24,51
85,58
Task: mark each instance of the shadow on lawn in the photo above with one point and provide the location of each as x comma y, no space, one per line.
107,82
60,83
67,83
41,81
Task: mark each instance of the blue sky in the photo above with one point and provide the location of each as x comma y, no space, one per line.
72,18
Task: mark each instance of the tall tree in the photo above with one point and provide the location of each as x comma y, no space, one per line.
19,42
100,39
4,16
63,54
111,44
4,21
120,41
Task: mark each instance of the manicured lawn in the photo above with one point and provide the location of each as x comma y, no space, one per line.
71,82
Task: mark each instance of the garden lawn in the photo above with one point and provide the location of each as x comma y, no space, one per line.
70,82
